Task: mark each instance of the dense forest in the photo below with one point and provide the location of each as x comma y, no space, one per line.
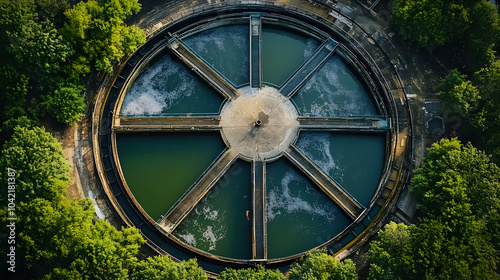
48,49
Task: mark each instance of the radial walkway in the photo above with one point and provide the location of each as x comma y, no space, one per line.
159,124
309,67
197,191
371,124
199,65
259,233
332,189
255,51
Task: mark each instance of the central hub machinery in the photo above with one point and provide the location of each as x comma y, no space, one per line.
260,123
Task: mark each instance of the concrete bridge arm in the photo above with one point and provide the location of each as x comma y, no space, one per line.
308,68
332,189
165,124
198,190
259,229
353,124
202,68
255,51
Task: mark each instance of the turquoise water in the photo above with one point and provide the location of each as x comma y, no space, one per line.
225,48
283,53
219,224
167,87
159,168
355,161
334,91
299,215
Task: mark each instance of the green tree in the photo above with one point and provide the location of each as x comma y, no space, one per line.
462,98
472,26
52,10
487,81
259,273
430,23
13,90
61,239
451,80
481,36
458,188
48,232
14,86
42,54
433,249
99,31
478,102
460,174
66,104
163,267
8,127
442,251
458,181
37,157
31,45
102,252
390,255
317,265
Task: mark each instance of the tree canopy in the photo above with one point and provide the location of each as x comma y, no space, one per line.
60,240
163,267
42,169
97,30
430,23
390,254
66,104
58,237
476,101
258,273
474,25
317,265
48,48
457,234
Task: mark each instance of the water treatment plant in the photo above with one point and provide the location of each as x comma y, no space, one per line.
249,132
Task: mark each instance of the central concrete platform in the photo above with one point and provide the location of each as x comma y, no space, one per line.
260,123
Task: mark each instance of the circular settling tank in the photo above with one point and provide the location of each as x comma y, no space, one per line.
248,136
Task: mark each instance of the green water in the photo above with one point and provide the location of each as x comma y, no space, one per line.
225,48
299,216
334,91
283,53
355,161
167,87
159,168
219,224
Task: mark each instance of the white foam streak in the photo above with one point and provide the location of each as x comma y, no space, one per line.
334,98
189,238
281,201
204,236
311,46
217,39
212,236
316,146
158,88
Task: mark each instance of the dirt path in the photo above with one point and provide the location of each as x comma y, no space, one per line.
69,141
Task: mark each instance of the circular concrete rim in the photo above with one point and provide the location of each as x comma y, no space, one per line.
260,123
104,140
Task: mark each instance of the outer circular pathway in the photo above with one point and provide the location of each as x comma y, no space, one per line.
258,124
